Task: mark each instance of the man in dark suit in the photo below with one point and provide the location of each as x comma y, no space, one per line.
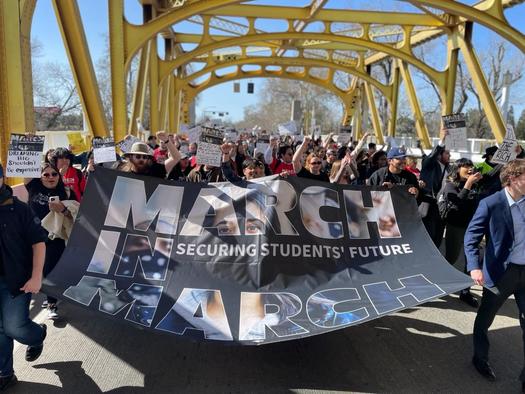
434,169
501,219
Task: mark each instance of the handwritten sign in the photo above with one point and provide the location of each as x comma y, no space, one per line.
24,156
104,150
209,147
457,132
126,144
507,150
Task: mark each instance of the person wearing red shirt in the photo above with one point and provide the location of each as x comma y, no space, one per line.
72,177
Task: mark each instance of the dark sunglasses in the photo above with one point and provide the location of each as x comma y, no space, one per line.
143,157
50,174
315,162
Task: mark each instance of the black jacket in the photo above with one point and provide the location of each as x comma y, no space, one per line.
20,229
432,173
463,204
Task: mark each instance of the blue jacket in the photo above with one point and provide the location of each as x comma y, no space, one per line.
494,221
20,229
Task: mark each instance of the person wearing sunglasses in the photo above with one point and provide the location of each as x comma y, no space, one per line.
312,165
139,160
22,251
45,195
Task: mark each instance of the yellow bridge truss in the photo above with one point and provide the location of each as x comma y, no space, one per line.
332,48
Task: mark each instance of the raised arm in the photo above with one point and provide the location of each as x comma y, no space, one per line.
296,161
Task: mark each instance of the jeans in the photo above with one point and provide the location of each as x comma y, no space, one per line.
512,282
15,325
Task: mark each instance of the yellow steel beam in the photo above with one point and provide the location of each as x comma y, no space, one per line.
374,114
450,87
394,100
421,126
326,15
479,8
118,67
27,8
287,61
214,80
153,87
139,93
480,82
437,76
71,28
15,108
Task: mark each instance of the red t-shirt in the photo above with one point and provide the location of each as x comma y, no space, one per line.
279,166
160,156
75,181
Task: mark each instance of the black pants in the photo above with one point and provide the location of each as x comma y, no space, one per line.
54,249
433,223
512,282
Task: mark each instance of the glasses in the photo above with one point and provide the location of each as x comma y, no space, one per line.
139,157
313,163
50,174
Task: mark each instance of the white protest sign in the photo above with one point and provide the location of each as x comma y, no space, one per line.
343,139
507,149
24,156
126,144
457,132
209,147
288,128
104,150
316,131
194,134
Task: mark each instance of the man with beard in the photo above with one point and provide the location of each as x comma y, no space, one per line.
140,159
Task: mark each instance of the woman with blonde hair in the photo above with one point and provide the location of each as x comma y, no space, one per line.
344,172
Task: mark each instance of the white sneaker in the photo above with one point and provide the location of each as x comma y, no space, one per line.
52,312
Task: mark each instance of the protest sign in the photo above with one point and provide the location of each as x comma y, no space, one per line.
24,156
253,263
104,150
126,144
263,141
194,134
289,128
507,149
77,144
457,132
209,147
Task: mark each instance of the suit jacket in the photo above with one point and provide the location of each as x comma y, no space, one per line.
494,221
431,172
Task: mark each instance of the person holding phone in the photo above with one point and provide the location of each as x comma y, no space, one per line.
45,195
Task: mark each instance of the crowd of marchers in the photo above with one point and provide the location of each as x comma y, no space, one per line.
462,204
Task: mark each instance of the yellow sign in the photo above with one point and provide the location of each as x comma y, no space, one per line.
76,143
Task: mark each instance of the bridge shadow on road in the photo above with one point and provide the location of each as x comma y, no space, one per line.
402,353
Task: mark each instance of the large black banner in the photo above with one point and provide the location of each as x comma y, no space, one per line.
256,262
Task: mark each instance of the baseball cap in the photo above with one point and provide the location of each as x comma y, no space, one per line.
396,153
490,151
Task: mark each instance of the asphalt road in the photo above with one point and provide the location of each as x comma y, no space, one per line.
420,350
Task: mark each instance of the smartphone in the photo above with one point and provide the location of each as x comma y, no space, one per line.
53,198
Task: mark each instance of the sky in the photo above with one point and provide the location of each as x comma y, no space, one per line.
220,98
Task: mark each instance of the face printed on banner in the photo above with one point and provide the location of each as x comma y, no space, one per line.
312,201
382,213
